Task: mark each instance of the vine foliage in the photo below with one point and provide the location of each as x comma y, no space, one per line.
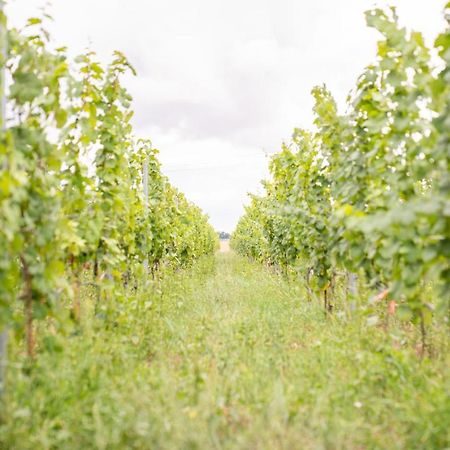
71,185
367,192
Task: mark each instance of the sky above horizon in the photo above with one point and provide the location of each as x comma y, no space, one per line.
221,84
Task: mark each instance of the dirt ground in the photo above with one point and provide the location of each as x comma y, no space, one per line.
224,246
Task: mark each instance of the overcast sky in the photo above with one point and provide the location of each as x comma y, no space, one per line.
221,83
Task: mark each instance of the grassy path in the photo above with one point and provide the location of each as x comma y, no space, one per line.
227,356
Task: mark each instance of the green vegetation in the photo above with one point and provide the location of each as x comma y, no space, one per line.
77,189
366,195
128,333
227,355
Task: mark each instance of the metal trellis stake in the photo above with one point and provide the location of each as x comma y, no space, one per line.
145,186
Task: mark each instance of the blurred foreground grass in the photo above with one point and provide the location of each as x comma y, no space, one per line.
226,355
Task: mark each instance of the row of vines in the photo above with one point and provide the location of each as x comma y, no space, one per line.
80,196
365,194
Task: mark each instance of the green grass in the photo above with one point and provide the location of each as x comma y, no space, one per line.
227,355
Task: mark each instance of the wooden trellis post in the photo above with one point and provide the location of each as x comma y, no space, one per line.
3,43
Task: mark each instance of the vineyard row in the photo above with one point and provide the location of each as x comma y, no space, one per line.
366,194
78,192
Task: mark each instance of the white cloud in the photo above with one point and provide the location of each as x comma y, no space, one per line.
219,81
